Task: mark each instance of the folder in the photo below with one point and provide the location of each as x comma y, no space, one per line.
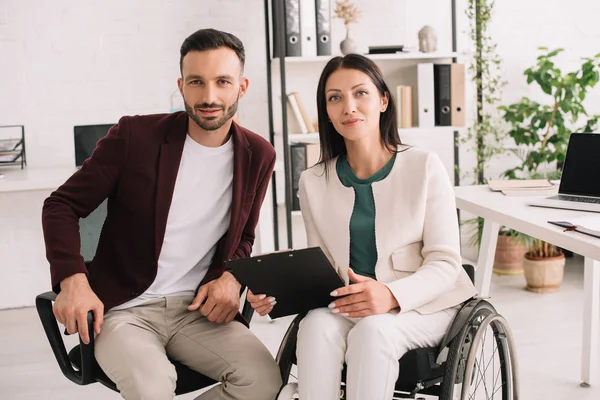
323,20
298,161
425,95
308,28
303,156
442,92
300,280
457,94
293,44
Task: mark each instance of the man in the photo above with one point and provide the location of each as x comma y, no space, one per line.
184,193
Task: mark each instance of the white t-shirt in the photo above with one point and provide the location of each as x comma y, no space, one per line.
199,216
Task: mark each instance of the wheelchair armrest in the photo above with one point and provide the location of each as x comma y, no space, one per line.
247,311
470,270
84,376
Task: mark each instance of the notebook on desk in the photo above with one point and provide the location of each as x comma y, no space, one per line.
580,182
300,280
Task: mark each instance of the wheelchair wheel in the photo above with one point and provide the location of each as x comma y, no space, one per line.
481,362
288,392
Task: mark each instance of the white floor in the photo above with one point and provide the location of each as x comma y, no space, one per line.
547,329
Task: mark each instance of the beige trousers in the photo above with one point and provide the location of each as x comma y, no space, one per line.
134,343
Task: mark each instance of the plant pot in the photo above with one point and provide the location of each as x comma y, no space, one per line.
544,275
509,256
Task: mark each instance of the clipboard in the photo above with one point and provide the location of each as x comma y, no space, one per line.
300,280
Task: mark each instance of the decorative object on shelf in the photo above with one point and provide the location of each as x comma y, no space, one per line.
347,11
427,40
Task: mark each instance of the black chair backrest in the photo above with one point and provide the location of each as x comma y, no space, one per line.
89,230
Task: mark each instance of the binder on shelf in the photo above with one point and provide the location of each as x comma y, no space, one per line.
457,94
308,28
293,44
303,156
323,20
442,91
425,95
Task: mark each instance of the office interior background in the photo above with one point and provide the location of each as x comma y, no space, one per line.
67,63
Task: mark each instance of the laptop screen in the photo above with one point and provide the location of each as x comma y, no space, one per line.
581,172
86,137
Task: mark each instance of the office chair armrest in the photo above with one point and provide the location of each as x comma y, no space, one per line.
84,376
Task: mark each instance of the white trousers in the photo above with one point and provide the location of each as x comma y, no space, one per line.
370,347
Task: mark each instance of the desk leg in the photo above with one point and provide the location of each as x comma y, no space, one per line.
591,321
485,261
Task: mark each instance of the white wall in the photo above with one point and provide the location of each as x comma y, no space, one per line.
70,62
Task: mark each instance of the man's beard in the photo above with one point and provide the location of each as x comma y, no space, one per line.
211,123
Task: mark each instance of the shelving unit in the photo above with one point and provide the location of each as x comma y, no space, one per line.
282,138
12,147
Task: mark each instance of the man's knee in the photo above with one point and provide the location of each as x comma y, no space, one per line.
143,384
262,377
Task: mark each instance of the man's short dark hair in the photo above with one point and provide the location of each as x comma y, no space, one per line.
210,39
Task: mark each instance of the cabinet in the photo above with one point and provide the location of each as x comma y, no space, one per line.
12,145
300,75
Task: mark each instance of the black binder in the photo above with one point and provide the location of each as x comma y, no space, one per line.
293,47
442,94
300,280
299,162
323,15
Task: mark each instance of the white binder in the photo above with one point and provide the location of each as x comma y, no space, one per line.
308,28
425,95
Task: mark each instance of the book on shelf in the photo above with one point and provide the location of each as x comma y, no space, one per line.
299,111
404,106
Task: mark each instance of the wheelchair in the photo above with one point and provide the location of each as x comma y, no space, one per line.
475,360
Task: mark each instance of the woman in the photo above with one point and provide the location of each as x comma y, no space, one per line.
384,214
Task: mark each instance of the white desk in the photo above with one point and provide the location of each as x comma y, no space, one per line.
512,211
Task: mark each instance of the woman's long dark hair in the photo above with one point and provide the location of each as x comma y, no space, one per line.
332,143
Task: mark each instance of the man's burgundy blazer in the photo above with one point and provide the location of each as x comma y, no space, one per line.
135,166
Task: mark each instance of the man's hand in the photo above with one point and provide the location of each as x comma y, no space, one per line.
363,298
72,304
261,303
218,300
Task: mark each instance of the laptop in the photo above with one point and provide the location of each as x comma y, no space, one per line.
580,182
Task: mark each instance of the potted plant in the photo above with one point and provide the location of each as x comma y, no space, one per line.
510,248
485,135
544,266
541,130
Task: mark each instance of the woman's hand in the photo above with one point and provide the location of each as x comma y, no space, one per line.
363,298
261,303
